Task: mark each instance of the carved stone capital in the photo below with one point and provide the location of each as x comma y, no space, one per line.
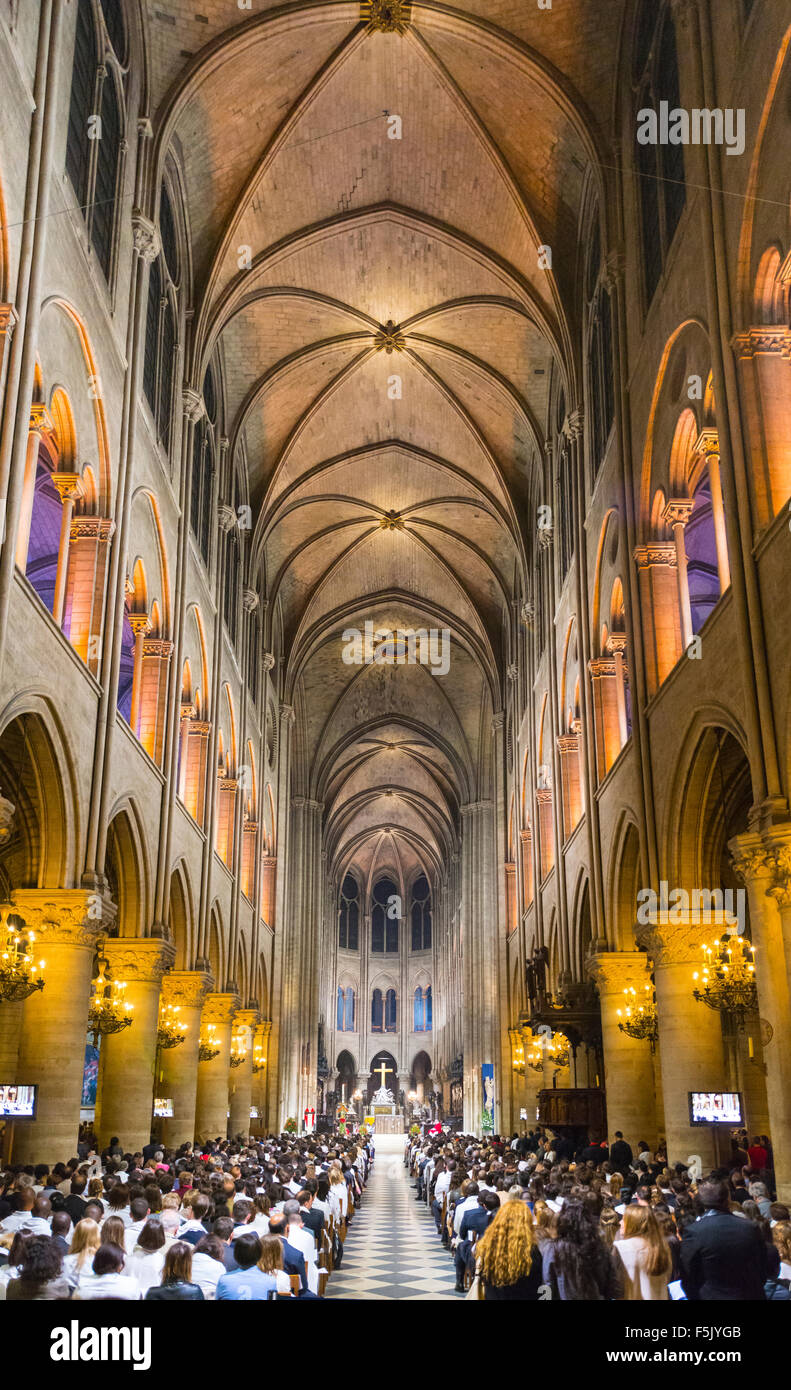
140,961
40,419
69,486
186,988
268,662
65,916
601,666
707,443
512,671
614,270
249,600
287,714
527,612
576,423
245,1018
192,404
614,971
145,236
678,511
779,851
226,517
220,1008
160,647
772,339
92,528
673,942
9,319
657,553
140,624
545,537
616,642
751,859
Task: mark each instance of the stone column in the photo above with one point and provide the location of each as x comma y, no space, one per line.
66,924
546,830
140,624
40,424
767,877
69,487
241,1078
261,1060
690,1034
628,1062
178,1066
708,444
124,1105
570,781
661,613
154,672
211,1114
676,515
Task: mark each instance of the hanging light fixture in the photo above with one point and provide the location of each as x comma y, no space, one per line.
727,978
638,1017
259,1060
238,1052
207,1047
559,1050
108,1011
171,1032
20,974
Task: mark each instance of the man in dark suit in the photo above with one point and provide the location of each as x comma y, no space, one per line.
312,1217
223,1229
474,1222
75,1202
293,1259
621,1154
723,1257
60,1227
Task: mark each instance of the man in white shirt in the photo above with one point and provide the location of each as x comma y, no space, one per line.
304,1240
139,1212
470,1201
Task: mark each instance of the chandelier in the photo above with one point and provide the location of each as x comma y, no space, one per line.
108,1011
544,1049
238,1053
19,973
171,1032
207,1047
518,1051
639,1019
727,978
259,1060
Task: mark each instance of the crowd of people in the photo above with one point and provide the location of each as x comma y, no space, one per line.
536,1217
234,1221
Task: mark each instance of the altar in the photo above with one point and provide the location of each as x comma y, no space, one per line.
388,1124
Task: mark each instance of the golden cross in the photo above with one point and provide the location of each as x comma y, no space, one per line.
383,1070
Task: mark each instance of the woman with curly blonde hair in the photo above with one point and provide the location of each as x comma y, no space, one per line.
507,1258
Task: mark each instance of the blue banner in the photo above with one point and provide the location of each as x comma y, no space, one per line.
487,1087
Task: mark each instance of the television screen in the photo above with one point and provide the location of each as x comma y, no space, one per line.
715,1108
163,1109
18,1102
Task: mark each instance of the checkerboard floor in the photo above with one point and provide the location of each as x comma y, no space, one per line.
392,1249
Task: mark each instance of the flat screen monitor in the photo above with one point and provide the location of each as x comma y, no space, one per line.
163,1109
18,1102
715,1108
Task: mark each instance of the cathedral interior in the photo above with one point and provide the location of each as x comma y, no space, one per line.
395,462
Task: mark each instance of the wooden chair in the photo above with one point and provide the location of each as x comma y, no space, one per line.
296,1284
468,1273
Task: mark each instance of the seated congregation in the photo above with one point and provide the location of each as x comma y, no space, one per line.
536,1219
231,1221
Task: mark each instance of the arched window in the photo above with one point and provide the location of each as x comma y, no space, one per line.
230,598
700,543
660,166
345,1010
600,367
390,1011
45,526
377,1012
349,915
95,132
385,916
202,482
159,349
565,508
422,1010
127,668
421,914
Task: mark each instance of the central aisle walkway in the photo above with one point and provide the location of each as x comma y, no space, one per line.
392,1249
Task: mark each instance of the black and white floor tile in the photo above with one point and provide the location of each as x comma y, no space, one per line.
392,1249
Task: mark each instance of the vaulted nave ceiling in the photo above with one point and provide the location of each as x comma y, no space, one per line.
367,257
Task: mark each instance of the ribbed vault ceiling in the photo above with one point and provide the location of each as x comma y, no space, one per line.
408,512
